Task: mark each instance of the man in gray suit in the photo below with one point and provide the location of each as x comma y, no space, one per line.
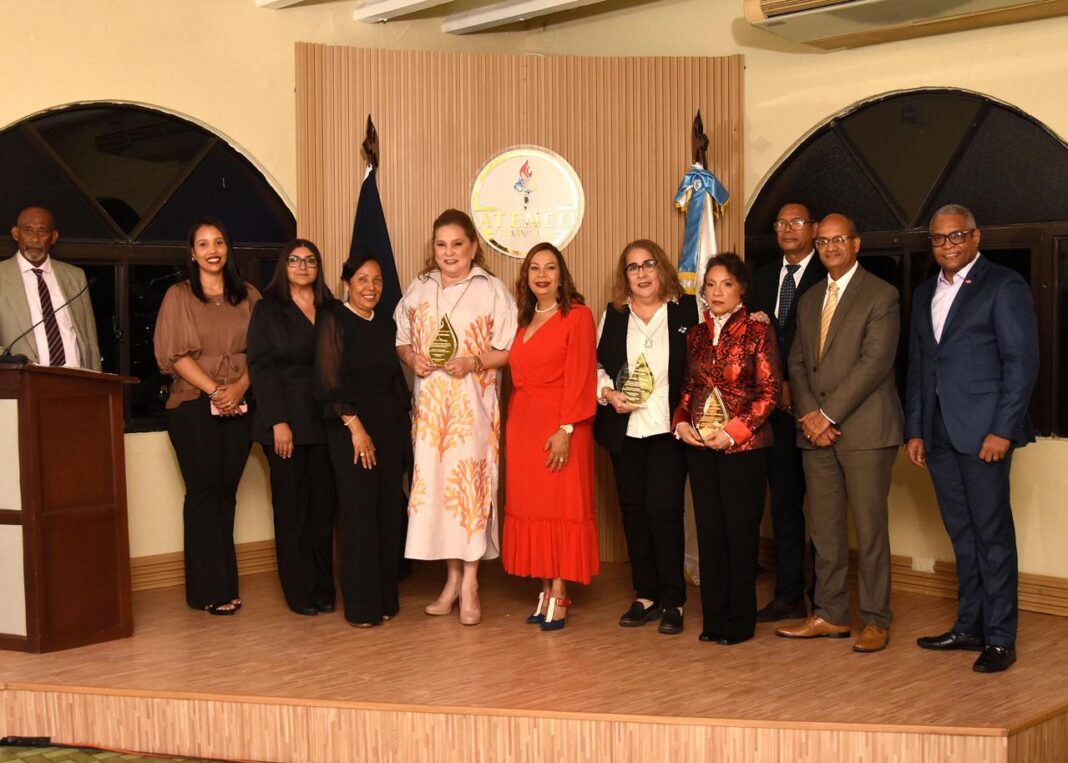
850,426
34,288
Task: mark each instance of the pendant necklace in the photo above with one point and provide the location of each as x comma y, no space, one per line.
637,322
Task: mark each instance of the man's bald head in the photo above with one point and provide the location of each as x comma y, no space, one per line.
35,232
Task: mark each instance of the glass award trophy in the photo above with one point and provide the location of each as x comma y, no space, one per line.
636,384
709,414
442,348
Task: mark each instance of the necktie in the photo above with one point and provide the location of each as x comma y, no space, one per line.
828,314
787,294
56,356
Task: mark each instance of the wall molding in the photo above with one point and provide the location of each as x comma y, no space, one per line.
1038,593
168,570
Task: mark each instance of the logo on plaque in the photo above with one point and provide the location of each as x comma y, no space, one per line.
525,195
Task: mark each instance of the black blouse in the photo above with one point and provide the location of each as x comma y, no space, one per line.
357,371
281,357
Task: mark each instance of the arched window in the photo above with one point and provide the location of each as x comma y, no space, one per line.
889,163
124,183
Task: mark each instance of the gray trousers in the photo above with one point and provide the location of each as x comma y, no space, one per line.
859,480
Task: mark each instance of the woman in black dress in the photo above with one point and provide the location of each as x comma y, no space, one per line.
289,426
358,379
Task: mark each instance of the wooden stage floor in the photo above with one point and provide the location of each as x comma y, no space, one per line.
593,691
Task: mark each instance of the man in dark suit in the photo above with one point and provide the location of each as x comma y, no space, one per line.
842,375
776,289
973,361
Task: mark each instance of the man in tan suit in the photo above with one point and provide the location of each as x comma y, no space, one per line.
34,288
850,425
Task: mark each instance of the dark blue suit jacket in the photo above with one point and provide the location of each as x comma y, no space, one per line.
984,368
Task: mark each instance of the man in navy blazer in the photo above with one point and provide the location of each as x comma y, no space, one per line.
973,361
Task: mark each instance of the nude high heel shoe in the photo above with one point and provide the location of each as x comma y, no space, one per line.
441,606
470,615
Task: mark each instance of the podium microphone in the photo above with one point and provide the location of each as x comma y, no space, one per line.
6,358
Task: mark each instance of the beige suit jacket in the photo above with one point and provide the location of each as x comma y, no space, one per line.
15,311
853,382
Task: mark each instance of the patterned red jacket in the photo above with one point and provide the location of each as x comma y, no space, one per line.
744,366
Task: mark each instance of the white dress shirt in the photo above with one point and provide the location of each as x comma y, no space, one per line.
655,417
798,275
945,293
63,317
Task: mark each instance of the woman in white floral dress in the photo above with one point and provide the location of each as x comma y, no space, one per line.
455,325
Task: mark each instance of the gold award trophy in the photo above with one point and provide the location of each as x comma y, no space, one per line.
442,348
710,414
637,384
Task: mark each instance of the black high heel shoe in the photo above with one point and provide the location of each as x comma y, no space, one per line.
539,616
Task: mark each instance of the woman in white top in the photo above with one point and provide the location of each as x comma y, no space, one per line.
641,340
455,325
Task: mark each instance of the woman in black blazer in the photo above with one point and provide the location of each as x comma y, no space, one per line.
645,327
289,426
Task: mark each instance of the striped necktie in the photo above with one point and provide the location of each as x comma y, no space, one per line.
828,314
56,356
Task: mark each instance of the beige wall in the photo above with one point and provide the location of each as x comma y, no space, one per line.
230,67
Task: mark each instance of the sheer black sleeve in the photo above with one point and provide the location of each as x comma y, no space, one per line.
328,386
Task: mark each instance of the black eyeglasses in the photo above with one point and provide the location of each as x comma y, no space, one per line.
794,223
294,260
954,237
648,266
821,243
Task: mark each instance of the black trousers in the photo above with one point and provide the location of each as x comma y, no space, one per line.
212,452
371,508
786,483
650,478
302,494
728,501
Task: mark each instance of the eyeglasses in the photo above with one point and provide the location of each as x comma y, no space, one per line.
648,266
795,223
954,237
294,261
821,243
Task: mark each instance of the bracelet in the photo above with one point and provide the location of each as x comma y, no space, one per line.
479,367
213,393
352,418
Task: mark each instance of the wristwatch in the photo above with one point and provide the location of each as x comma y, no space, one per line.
568,428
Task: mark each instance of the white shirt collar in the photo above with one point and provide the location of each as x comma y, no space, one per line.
843,282
960,274
802,263
26,266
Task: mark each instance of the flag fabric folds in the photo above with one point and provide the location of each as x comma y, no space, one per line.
702,197
370,234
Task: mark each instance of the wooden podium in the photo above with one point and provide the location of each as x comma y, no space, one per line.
64,544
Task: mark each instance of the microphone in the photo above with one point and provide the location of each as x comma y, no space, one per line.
6,358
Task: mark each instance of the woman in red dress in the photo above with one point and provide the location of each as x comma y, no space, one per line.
549,526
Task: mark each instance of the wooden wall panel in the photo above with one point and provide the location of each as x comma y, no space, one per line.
623,123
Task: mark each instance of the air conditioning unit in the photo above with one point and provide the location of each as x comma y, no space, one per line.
831,24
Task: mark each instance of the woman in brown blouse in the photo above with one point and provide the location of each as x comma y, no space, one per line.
734,356
200,339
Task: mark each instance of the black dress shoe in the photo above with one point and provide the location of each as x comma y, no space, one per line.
778,609
639,615
707,636
307,611
950,640
731,640
325,606
671,621
994,659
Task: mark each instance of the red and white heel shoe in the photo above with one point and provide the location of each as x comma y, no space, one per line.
551,623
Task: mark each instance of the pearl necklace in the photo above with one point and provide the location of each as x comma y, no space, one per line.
548,309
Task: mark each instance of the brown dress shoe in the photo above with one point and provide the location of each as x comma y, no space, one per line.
814,627
872,639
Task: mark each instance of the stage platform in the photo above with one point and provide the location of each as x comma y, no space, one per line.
268,685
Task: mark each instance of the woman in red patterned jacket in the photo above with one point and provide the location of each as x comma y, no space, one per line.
732,385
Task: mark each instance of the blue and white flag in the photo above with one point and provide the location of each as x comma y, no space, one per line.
702,197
